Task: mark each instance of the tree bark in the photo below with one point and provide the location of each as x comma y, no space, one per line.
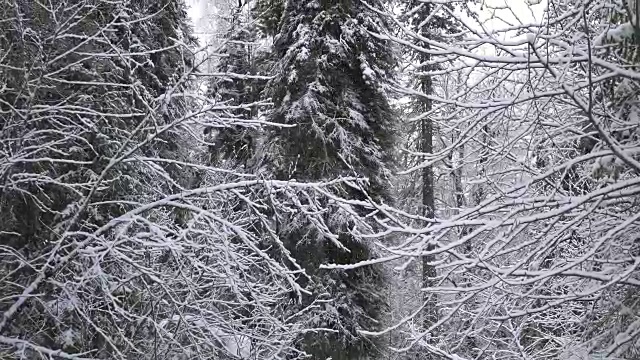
428,199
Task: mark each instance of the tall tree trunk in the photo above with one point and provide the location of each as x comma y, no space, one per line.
429,25
428,199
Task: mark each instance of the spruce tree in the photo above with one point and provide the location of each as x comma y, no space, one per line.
80,84
89,98
328,91
270,13
239,89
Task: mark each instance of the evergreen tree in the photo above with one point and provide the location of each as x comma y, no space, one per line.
239,88
328,88
270,13
89,102
79,89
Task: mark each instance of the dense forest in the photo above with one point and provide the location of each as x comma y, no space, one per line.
320,179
